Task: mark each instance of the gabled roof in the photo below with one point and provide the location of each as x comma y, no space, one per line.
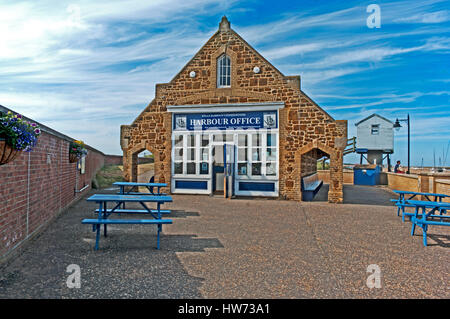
369,117
225,26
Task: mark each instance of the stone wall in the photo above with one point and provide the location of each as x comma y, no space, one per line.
324,175
424,182
301,121
403,182
442,186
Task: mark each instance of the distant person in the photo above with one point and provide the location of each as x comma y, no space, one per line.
397,168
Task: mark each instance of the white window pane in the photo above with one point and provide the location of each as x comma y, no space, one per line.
205,140
179,140
271,154
218,137
178,168
223,71
271,169
256,139
204,156
271,140
256,169
242,169
190,168
242,154
191,154
178,154
191,140
256,154
242,140
204,168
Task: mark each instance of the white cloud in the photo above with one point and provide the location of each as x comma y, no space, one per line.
430,17
326,74
387,99
68,64
300,21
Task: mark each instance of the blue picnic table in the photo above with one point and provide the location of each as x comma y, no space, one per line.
103,212
133,185
425,219
409,195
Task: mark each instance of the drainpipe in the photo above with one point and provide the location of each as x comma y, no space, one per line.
28,191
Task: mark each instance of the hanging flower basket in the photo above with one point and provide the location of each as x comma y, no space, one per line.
76,151
7,153
73,158
16,135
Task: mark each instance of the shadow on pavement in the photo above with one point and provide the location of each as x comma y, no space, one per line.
359,195
182,214
441,240
127,264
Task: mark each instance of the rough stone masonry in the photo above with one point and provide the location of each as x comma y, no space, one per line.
306,131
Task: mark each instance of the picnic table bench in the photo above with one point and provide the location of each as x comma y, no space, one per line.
310,185
409,195
132,185
423,219
118,200
135,211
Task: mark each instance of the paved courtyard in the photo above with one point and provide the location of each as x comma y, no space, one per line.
243,248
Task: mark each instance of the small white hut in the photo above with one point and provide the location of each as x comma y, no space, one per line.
375,137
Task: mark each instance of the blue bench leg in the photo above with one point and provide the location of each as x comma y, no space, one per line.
442,212
403,214
424,234
413,220
413,227
398,211
159,231
97,237
104,229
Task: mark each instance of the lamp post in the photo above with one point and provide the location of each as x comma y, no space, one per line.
397,127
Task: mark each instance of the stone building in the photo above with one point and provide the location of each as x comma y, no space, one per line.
229,112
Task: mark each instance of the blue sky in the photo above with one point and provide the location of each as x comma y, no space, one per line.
86,67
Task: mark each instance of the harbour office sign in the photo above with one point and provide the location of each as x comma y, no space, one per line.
222,121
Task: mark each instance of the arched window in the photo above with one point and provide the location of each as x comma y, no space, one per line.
223,71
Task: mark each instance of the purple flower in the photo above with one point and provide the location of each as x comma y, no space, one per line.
37,131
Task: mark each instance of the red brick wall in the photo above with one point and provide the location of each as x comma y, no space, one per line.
113,159
37,186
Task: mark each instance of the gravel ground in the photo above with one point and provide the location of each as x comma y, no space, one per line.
242,248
